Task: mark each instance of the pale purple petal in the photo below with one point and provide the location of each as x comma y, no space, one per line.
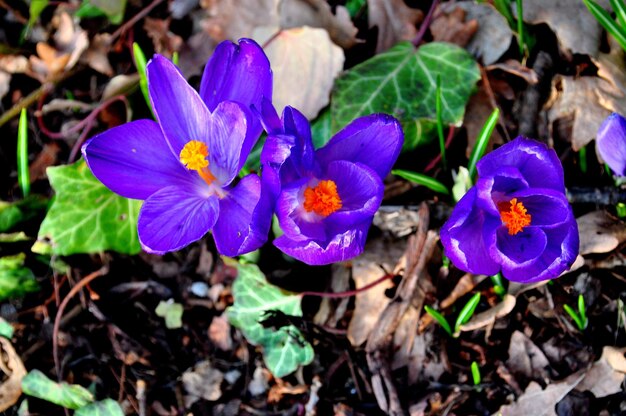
611,143
374,140
341,247
174,217
545,206
245,218
462,236
515,250
177,106
538,164
134,161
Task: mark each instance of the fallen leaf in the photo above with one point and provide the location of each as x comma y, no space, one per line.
305,63
492,37
96,55
526,358
488,317
120,84
600,232
13,64
45,158
317,13
172,312
219,333
452,26
165,42
70,38
576,29
260,381
395,21
234,19
203,381
605,377
5,80
14,371
366,268
515,67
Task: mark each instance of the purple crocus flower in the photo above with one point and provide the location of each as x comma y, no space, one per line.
327,197
611,143
516,219
185,166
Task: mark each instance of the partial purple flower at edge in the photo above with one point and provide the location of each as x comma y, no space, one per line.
611,143
516,219
185,165
327,197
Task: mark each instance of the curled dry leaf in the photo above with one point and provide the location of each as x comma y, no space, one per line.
492,36
219,333
576,29
97,54
452,25
202,382
70,38
395,21
13,369
605,377
600,232
488,317
165,42
305,63
526,358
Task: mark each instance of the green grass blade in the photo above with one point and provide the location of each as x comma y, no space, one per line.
467,311
572,313
582,159
619,8
439,318
475,373
582,311
423,180
520,26
175,58
605,19
503,6
439,112
498,286
140,63
481,142
23,176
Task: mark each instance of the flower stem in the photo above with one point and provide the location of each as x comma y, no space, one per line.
425,24
349,293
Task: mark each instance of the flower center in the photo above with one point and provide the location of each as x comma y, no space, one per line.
516,217
323,199
193,157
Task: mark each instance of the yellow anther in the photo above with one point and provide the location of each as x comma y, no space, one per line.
322,199
194,155
516,217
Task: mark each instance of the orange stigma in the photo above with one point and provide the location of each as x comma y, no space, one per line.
323,199
193,156
516,217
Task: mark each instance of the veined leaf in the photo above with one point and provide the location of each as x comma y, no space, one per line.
107,407
402,82
15,279
86,217
71,396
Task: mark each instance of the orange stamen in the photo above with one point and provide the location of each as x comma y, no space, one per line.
323,199
516,217
193,156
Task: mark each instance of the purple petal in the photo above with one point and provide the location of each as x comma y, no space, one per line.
374,140
174,217
245,218
538,164
462,236
225,137
341,247
611,143
492,190
269,117
545,206
515,250
178,107
135,161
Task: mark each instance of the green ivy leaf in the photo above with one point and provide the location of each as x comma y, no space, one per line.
71,396
284,349
13,213
402,82
172,312
6,329
105,407
321,129
15,279
86,217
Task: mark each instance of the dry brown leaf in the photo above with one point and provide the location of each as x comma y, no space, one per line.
395,21
576,29
70,38
317,13
96,55
514,67
605,377
488,317
120,84
234,19
305,63
45,158
526,358
13,369
366,268
48,63
13,64
165,42
219,333
452,26
415,352
331,310
202,382
600,232
492,37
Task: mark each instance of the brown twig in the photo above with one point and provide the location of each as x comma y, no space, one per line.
425,24
62,306
133,20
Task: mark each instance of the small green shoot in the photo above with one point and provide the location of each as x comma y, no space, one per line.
520,26
175,58
605,19
140,63
619,8
423,180
467,312
582,159
503,6
439,318
498,286
475,373
439,112
23,177
580,317
620,209
481,142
